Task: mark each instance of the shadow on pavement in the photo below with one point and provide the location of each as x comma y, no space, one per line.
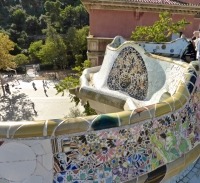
16,107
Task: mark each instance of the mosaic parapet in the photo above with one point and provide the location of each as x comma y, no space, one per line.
173,49
56,127
158,139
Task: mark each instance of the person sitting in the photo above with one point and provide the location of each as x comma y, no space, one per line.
189,54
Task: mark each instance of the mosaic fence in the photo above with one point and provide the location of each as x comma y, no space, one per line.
121,154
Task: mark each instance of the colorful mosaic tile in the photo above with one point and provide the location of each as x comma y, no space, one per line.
121,154
129,74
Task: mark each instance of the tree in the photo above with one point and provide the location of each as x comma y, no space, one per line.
54,50
21,59
34,49
32,24
23,39
6,59
6,45
160,30
77,39
54,54
53,10
19,17
73,17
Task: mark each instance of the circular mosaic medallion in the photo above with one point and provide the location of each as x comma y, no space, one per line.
129,74
163,47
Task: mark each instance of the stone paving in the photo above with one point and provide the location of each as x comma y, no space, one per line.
18,106
190,175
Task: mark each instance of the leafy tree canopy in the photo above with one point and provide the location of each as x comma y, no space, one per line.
77,39
21,59
19,17
160,30
32,24
6,45
34,49
52,53
52,10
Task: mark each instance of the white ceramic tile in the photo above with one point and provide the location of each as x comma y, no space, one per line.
40,170
48,161
46,144
39,159
34,179
38,149
17,171
49,177
4,181
16,152
30,142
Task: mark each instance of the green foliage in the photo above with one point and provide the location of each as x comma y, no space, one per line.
54,50
73,17
32,24
19,17
160,30
23,39
6,59
34,49
52,10
72,82
78,60
77,39
21,59
47,54
74,112
88,110
17,50
31,16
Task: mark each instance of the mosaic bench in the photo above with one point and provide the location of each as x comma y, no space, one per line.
149,143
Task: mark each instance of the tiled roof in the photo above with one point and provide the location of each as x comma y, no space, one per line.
168,2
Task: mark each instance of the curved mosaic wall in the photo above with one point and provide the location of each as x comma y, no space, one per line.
114,147
121,154
129,74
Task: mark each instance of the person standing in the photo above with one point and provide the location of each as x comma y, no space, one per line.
33,84
198,50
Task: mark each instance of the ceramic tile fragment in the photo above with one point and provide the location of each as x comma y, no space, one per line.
18,171
38,149
4,181
48,177
30,142
34,179
46,144
40,170
14,151
39,159
47,161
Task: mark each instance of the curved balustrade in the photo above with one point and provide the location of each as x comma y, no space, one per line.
158,139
